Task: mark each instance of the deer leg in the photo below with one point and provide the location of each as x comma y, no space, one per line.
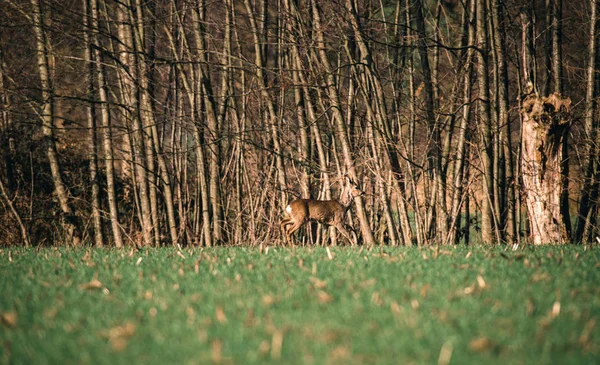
353,232
344,232
285,222
293,229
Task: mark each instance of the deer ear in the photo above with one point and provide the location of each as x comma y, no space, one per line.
349,180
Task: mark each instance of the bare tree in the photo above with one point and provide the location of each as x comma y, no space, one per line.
107,129
588,204
91,116
69,219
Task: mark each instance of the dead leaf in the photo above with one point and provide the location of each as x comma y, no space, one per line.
368,283
264,347
276,344
584,339
425,290
376,299
50,313
318,283
324,297
445,354
395,307
268,300
220,314
9,319
339,353
480,281
93,284
216,351
250,318
555,310
118,336
481,344
537,277
530,307
87,256
470,289
125,330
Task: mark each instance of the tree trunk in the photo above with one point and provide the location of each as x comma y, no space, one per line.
340,129
588,205
212,134
69,220
91,116
545,125
504,123
107,135
135,140
485,126
459,191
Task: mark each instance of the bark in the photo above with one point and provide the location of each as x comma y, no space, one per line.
147,81
135,140
107,135
509,226
557,77
69,220
212,132
376,105
144,111
310,109
91,116
588,205
15,213
7,130
193,89
485,126
340,129
459,191
271,116
412,169
545,124
437,212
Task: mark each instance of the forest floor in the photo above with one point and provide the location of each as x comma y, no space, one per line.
243,305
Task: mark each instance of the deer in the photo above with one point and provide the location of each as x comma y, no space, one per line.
327,212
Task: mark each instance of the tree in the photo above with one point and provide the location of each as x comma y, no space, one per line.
545,125
69,219
589,204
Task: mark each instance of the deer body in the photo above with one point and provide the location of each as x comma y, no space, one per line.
327,212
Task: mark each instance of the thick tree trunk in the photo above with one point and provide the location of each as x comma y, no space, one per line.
545,125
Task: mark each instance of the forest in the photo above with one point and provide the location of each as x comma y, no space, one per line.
195,122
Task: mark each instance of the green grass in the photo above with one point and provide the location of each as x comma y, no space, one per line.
296,306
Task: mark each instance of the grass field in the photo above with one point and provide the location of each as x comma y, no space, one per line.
458,305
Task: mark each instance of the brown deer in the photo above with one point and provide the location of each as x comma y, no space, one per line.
327,212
